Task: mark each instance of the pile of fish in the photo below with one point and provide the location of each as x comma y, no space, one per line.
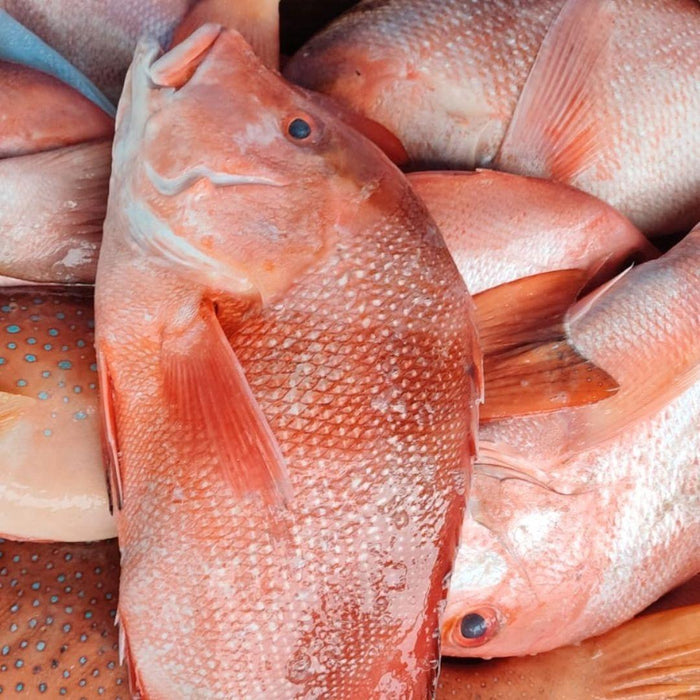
394,355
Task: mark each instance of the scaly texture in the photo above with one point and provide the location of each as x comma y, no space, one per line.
446,77
356,337
581,518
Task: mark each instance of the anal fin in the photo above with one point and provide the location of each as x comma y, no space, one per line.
210,397
529,365
556,127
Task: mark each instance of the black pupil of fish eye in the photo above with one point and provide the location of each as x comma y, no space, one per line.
299,129
472,626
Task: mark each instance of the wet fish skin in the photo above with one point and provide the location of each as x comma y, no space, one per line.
51,481
605,113
580,518
351,564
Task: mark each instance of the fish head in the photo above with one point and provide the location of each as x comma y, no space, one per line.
255,185
519,584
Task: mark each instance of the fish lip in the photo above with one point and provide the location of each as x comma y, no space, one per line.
176,185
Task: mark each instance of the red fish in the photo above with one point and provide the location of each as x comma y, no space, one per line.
290,370
580,518
554,88
501,227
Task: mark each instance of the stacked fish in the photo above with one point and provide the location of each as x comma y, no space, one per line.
327,463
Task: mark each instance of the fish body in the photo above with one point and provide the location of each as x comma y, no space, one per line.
348,351
51,487
580,518
99,37
501,227
55,152
57,607
552,89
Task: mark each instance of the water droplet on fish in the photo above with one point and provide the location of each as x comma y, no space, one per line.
299,668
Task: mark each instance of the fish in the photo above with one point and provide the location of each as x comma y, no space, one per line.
54,172
52,484
580,518
99,37
656,656
289,373
501,227
556,89
57,610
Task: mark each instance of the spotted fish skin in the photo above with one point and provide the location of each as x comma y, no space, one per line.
51,479
57,612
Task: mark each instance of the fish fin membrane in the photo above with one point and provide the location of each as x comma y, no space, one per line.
256,20
19,45
655,656
555,130
12,408
212,400
529,366
110,442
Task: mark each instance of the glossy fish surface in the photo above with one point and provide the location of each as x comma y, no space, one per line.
551,89
580,518
335,329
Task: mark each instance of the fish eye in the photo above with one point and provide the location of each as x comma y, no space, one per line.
299,129
475,628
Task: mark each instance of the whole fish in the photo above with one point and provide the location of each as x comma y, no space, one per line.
57,608
99,36
552,88
655,657
289,371
580,518
501,227
54,171
51,485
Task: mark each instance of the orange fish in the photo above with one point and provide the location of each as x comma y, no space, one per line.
501,227
289,371
656,657
581,517
54,170
57,609
555,88
51,487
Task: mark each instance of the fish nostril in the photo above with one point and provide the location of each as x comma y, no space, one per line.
473,626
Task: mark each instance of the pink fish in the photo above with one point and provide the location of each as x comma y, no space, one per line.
580,518
290,370
561,89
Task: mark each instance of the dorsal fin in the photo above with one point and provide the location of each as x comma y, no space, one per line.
556,127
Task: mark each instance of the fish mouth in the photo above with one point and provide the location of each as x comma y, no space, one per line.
171,186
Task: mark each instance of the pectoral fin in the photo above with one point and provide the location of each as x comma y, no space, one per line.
556,128
213,402
529,365
110,443
12,408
